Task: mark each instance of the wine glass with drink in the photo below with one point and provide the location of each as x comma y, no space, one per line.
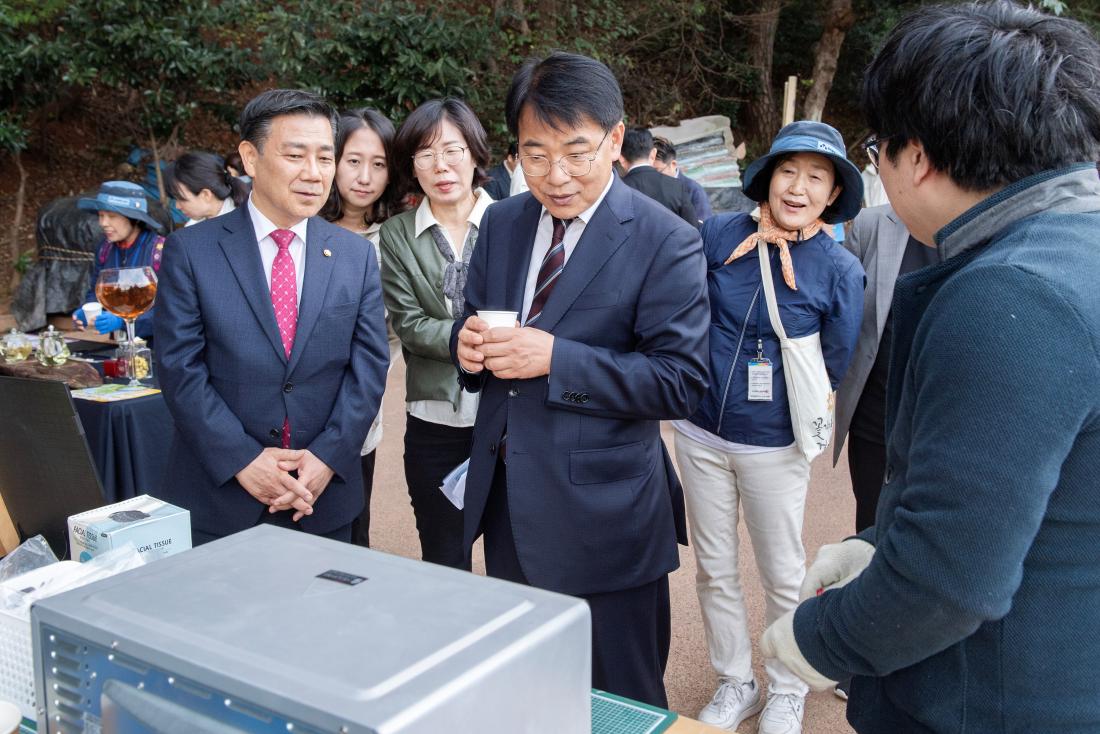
127,293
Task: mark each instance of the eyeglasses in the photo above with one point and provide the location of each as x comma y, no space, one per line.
871,144
576,164
425,159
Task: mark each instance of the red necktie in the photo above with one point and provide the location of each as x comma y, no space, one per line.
284,298
553,263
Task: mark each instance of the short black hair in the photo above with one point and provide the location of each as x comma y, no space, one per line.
637,143
666,151
266,106
563,89
994,92
198,170
513,148
420,129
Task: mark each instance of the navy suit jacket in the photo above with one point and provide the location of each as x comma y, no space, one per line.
666,190
229,384
595,502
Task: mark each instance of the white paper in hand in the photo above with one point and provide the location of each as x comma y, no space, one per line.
454,485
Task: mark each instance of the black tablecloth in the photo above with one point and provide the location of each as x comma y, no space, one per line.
129,440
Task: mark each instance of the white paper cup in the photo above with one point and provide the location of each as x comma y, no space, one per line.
92,310
498,319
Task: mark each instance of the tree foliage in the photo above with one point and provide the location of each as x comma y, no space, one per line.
151,64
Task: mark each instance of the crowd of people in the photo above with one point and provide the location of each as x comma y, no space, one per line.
958,324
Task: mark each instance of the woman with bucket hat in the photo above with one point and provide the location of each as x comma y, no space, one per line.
738,452
131,240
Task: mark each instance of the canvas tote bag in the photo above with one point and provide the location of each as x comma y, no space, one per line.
809,391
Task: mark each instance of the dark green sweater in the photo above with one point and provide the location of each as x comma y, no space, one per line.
980,611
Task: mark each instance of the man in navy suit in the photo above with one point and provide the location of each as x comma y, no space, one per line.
569,480
638,156
272,341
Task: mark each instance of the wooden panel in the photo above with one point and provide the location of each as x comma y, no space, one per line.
9,539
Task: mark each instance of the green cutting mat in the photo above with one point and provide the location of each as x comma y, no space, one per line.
613,714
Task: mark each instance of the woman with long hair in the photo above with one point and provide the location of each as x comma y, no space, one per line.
203,186
363,196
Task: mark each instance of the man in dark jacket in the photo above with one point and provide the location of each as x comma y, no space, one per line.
972,604
500,176
667,164
637,159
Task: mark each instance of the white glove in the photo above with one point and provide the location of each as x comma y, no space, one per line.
836,564
779,643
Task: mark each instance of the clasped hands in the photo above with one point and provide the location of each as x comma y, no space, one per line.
268,479
510,353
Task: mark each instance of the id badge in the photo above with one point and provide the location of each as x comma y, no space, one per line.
760,379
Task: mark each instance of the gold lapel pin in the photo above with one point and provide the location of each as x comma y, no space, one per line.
328,253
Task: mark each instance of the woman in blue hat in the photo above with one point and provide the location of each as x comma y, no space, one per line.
738,453
131,240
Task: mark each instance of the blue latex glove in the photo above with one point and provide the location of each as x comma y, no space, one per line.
78,315
105,323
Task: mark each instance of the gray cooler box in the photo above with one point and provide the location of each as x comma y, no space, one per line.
271,630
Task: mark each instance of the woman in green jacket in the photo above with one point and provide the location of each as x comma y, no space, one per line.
440,153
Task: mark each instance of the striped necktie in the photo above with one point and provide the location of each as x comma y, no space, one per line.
553,263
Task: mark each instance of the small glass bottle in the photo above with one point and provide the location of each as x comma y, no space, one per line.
16,347
52,349
143,360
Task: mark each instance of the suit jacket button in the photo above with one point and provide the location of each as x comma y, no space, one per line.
584,397
565,395
513,392
288,387
274,433
492,449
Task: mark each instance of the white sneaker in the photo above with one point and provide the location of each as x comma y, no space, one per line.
732,703
782,714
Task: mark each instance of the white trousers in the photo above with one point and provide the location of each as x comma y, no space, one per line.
771,489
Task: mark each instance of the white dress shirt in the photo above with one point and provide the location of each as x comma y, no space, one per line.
519,182
442,412
227,206
545,233
268,249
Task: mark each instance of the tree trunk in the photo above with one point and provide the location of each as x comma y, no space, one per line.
839,18
763,113
514,15
20,198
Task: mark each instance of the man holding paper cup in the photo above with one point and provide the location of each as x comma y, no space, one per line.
569,480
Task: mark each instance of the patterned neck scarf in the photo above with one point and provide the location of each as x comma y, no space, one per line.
454,277
769,231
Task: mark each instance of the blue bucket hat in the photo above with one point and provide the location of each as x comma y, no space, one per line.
122,197
806,136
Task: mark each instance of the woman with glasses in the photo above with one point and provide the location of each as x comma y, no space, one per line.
737,452
440,152
364,196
